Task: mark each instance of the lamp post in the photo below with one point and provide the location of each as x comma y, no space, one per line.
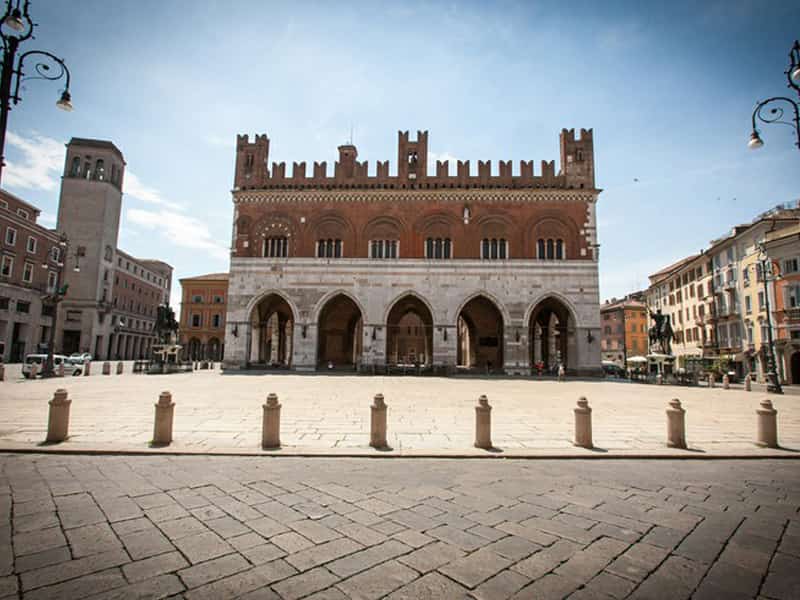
59,291
773,381
776,113
16,27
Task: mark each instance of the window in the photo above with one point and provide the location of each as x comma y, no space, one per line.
748,305
51,281
23,307
216,320
4,303
551,250
3,204
790,265
196,320
383,248
31,247
7,266
276,247
218,299
746,276
793,296
11,236
329,248
438,248
559,249
760,300
494,248
27,272
100,170
75,170
23,213
540,252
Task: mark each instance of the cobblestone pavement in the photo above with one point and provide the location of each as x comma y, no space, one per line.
217,412
269,528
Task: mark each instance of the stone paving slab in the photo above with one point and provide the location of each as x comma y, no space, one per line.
426,416
595,529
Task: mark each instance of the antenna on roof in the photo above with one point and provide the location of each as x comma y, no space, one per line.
351,135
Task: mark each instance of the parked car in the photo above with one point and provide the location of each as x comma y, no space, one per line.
79,358
39,360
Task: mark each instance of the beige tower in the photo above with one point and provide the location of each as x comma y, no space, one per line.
89,214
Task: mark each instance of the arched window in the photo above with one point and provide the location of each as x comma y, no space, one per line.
276,247
485,248
550,250
503,249
540,249
100,170
337,249
383,249
560,249
494,248
75,170
329,248
438,248
87,170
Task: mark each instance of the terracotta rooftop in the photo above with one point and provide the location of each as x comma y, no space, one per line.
206,277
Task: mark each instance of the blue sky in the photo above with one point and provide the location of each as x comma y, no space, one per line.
668,88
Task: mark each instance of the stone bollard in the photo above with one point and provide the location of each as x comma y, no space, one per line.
165,411
711,380
87,368
120,367
676,425
377,432
60,370
271,425
483,423
34,371
561,372
659,379
583,424
2,372
58,419
767,425
748,384
726,382
106,368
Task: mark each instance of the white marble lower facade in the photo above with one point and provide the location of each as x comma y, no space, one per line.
515,287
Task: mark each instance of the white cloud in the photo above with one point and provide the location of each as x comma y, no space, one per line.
228,141
41,164
433,157
47,219
133,187
179,229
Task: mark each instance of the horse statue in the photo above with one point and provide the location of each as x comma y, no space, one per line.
661,334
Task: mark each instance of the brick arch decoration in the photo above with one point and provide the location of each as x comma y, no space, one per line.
438,225
335,226
385,228
273,224
496,225
553,226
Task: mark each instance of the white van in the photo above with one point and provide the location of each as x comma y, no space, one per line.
40,359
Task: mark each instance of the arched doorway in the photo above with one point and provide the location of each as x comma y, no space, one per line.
271,327
794,368
339,334
409,339
213,347
550,325
194,349
480,336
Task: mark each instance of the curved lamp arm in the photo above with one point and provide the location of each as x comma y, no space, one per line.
775,116
43,72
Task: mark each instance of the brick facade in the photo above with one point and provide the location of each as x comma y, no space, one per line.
204,301
466,271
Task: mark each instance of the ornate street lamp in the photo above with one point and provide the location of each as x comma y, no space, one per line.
16,27
768,274
57,295
776,113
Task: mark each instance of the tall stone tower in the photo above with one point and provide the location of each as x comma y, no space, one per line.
89,214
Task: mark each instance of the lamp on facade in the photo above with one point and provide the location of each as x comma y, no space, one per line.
16,27
776,113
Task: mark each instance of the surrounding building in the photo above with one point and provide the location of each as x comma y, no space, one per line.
624,329
30,256
202,321
783,247
436,271
716,300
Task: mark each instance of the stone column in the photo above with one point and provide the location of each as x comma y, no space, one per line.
58,419
165,412
377,432
583,424
120,367
483,424
106,368
767,425
87,368
748,386
271,423
676,425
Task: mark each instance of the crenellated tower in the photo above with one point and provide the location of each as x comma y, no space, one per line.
412,155
251,160
577,158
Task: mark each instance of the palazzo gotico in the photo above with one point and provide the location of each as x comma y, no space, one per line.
487,271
